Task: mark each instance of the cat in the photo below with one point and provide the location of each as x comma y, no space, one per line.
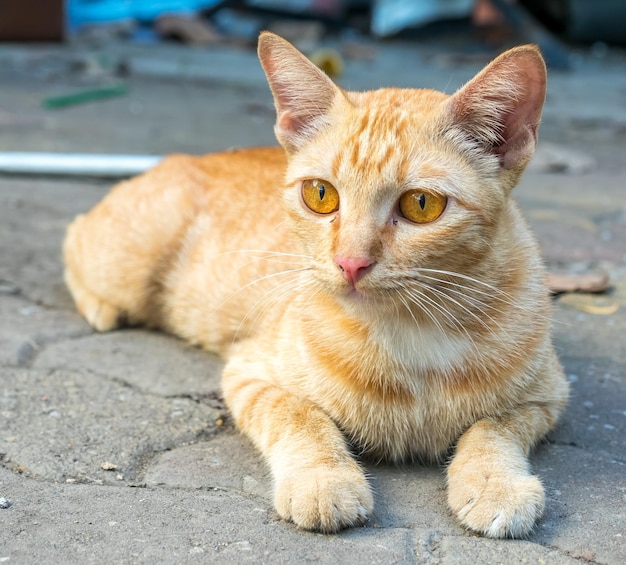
371,285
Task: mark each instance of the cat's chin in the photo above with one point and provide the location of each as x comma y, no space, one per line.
356,295
358,300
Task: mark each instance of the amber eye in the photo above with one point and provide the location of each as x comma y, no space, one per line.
320,196
422,207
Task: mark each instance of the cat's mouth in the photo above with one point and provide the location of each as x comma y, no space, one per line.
359,294
355,294
352,292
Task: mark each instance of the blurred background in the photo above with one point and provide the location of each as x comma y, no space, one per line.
64,61
240,20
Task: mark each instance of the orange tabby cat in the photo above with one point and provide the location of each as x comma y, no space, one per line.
371,285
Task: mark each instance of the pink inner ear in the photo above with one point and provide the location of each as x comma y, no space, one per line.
520,125
289,127
286,122
501,106
519,135
303,94
516,150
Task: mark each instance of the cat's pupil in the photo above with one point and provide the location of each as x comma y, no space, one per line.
322,192
422,201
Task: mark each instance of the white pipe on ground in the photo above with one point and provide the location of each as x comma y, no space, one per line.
76,164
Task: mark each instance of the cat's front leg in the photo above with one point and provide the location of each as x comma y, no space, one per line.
317,483
490,487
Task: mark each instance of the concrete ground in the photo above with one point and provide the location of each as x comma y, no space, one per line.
117,448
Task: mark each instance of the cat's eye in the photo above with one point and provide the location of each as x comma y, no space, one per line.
421,207
320,196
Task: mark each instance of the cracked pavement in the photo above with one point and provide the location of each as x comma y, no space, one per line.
117,446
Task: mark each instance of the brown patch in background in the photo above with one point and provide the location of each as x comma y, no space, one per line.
32,20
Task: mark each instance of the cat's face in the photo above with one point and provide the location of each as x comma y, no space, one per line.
381,184
398,193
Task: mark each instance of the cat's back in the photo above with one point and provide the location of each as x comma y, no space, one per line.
229,177
240,167
181,186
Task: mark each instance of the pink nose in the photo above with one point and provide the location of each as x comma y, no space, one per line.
353,268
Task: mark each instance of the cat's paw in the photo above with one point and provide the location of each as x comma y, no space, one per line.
496,504
100,315
324,499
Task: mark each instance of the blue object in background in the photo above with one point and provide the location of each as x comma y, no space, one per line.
148,10
81,12
96,11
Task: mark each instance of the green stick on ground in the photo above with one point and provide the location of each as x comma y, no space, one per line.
84,96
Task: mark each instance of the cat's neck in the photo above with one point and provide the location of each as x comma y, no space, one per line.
385,334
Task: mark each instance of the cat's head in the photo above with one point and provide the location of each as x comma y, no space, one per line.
383,183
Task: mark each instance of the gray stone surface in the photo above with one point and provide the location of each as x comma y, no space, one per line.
26,328
117,447
61,425
178,370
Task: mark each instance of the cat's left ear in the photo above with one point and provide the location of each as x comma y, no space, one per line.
500,108
303,94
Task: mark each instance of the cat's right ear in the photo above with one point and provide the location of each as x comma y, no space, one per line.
500,108
303,94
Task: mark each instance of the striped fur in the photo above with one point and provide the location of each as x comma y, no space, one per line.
443,342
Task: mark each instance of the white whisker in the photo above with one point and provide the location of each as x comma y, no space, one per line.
452,319
273,296
408,308
496,293
263,278
263,252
